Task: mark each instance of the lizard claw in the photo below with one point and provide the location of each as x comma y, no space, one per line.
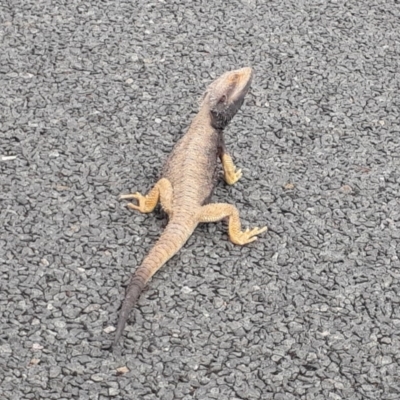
248,235
129,196
233,176
141,206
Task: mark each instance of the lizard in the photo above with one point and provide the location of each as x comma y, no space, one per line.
187,183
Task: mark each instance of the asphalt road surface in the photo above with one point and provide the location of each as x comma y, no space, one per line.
93,95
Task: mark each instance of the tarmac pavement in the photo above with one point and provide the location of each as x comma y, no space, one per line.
93,97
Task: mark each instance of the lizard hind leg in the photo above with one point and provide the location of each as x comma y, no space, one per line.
218,211
162,191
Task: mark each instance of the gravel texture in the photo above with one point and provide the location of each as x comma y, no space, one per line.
94,95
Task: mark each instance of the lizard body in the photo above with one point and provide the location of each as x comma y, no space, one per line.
188,180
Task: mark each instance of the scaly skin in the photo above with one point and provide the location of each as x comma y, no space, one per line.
187,183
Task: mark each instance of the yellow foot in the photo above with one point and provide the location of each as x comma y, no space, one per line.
233,176
142,206
247,236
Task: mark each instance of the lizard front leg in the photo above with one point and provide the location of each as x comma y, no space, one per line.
162,191
218,211
231,174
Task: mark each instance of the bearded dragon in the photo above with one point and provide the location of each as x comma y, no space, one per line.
188,180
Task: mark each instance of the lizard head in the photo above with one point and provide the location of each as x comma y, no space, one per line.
226,94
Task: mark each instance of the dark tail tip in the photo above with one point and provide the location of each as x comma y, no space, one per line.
132,295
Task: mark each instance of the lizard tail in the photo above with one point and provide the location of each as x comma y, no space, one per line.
172,239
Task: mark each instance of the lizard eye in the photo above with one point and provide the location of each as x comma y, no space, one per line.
222,99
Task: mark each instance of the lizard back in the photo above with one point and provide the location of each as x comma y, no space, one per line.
192,167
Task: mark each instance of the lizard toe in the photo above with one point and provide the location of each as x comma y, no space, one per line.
133,206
